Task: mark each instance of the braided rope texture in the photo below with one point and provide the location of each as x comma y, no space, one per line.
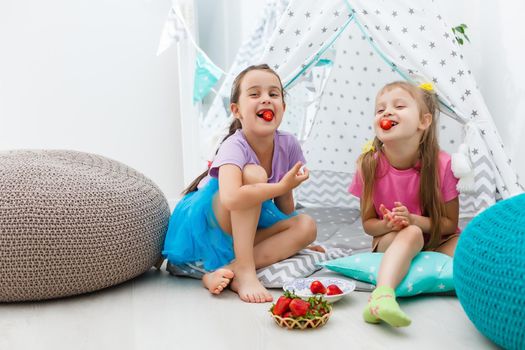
489,272
73,222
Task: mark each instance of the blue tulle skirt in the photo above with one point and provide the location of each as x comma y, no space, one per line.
194,234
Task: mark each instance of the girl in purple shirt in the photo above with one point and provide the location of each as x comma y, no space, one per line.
409,200
239,216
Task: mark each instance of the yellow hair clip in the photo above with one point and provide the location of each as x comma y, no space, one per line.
427,86
368,147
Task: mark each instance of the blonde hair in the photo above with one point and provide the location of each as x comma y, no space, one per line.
430,198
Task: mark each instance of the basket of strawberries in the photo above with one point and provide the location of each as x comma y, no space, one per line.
292,312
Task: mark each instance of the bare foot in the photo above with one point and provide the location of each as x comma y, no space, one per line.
249,288
217,280
316,248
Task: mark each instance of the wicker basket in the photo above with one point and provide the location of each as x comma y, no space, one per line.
301,323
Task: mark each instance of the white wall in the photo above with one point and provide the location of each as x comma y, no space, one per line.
84,75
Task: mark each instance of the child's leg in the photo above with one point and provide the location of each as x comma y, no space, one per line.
217,280
283,239
400,248
269,245
243,225
244,228
398,255
273,244
449,247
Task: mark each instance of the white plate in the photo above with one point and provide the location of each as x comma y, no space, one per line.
301,287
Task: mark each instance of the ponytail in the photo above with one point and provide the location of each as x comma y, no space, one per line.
234,126
367,163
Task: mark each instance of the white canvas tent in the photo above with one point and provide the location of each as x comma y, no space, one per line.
333,56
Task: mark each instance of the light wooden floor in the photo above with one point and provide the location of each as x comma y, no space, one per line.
159,311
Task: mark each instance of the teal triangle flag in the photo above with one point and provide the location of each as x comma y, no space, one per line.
324,62
206,76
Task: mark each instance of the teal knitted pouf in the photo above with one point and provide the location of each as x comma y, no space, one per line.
489,272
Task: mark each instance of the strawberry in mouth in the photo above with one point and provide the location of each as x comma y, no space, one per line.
266,114
387,124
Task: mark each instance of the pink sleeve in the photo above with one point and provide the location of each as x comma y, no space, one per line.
449,181
356,187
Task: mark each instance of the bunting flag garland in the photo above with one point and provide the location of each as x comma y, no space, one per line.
207,74
324,62
173,31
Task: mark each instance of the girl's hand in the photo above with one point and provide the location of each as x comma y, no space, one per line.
401,213
294,177
390,221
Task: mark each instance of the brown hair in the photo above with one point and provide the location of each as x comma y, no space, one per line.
236,124
430,197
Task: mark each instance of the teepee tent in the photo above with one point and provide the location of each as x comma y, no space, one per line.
333,57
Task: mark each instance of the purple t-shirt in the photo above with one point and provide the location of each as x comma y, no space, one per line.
236,150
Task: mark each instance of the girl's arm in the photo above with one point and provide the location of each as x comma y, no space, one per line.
285,203
449,223
236,196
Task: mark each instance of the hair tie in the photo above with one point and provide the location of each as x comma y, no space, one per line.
427,87
368,147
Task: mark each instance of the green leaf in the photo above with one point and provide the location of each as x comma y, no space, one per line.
460,34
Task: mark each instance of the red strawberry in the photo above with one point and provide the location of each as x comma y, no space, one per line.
385,124
287,314
299,307
333,290
281,306
267,115
317,287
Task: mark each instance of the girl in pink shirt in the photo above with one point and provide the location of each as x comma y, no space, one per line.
409,200
239,215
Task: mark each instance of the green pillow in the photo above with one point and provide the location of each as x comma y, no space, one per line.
430,272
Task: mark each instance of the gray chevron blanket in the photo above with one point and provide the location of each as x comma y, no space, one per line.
339,232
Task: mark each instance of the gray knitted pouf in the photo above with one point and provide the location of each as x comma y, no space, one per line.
73,222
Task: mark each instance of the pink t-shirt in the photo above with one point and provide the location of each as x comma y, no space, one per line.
394,185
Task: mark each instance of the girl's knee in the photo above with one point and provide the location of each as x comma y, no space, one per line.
253,174
413,234
308,227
